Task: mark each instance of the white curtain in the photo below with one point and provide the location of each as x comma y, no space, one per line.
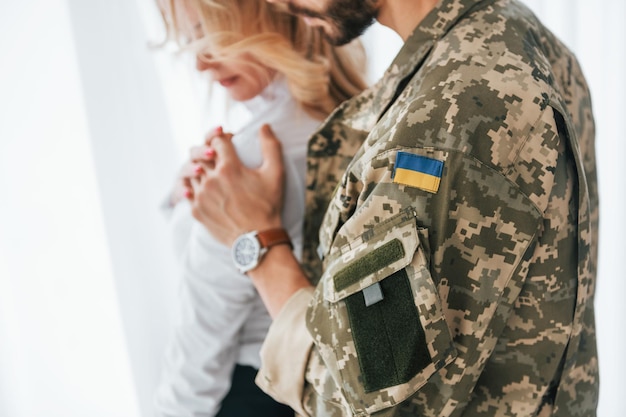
93,125
86,157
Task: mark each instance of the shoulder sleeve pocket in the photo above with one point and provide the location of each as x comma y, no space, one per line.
380,352
372,257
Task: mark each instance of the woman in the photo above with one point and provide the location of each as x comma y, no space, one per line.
288,76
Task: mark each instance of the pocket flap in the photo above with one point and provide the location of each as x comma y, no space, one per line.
372,257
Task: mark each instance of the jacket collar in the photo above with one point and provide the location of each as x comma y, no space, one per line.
433,27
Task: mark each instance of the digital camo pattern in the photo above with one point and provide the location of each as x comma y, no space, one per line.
503,276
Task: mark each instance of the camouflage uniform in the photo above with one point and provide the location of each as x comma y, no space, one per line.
467,291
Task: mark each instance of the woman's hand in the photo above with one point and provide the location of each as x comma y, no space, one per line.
231,199
201,158
182,187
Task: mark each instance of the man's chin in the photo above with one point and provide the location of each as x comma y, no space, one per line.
330,32
340,33
336,41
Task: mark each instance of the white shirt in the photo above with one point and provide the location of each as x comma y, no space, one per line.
223,320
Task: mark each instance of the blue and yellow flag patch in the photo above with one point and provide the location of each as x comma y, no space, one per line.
418,171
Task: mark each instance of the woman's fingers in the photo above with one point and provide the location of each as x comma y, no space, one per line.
202,153
203,158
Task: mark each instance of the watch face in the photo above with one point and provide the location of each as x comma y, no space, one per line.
246,252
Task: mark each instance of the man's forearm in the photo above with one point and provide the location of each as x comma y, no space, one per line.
277,277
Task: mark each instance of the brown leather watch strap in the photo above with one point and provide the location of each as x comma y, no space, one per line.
272,237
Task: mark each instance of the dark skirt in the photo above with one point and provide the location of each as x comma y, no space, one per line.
246,399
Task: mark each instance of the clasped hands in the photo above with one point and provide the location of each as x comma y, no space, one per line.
227,197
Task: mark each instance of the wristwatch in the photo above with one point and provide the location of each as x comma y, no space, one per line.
250,247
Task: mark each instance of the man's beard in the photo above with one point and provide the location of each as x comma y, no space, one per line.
348,18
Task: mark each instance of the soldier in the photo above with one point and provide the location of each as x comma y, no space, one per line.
451,225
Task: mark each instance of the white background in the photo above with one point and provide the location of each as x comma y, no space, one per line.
93,125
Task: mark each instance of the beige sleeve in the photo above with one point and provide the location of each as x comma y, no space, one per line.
285,353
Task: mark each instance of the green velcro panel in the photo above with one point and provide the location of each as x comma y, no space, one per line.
388,336
376,260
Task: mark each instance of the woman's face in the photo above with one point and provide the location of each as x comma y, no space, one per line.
243,77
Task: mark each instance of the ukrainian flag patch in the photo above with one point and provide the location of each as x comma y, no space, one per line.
418,171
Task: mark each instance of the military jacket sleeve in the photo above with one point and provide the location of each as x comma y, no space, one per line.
458,245
280,353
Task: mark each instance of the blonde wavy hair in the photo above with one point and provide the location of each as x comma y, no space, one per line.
319,75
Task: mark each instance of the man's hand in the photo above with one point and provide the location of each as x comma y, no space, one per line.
231,199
